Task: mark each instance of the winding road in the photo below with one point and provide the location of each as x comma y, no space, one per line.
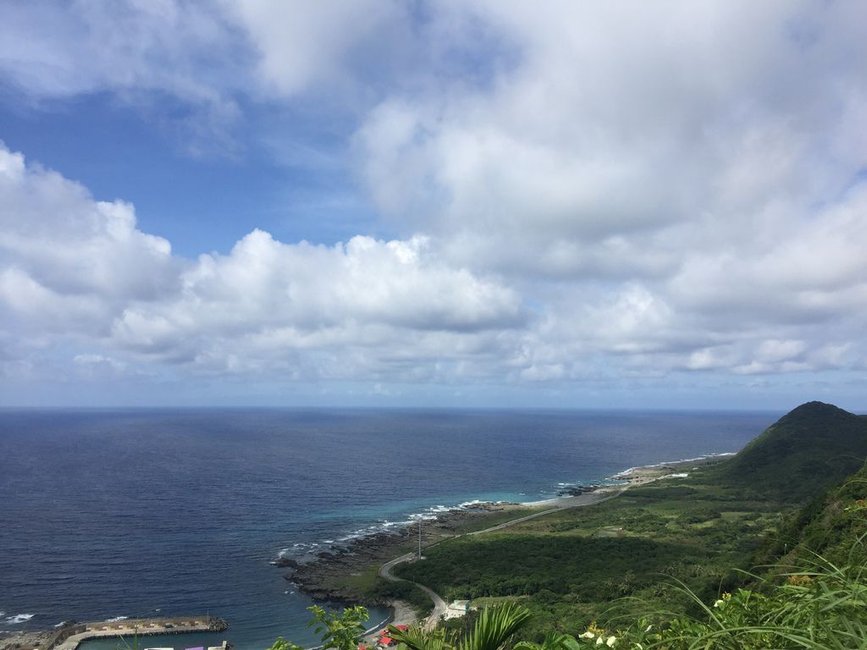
440,606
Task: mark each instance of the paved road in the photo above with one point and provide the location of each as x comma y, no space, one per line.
440,605
563,504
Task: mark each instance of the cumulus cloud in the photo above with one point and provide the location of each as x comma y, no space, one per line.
623,125
266,297
687,173
578,192
67,261
74,269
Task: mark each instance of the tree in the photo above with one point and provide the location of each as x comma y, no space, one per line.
339,631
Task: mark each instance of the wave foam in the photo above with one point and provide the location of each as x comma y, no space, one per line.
116,619
630,470
303,551
18,618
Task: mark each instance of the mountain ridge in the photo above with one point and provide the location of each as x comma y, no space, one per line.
811,448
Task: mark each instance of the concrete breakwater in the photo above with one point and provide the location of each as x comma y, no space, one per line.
68,638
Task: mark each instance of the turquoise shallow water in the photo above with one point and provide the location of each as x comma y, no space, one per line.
163,512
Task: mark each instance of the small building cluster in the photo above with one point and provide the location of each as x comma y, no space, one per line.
383,640
457,609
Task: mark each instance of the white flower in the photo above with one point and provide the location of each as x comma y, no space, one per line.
599,640
587,635
611,641
719,603
647,629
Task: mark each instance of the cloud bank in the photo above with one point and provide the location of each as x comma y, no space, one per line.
586,197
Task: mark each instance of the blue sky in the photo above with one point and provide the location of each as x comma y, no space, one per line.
481,203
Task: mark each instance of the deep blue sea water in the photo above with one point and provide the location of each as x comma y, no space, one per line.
109,513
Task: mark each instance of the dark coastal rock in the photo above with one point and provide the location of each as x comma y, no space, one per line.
285,563
577,490
322,576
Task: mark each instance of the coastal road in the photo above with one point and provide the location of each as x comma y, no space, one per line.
590,498
440,605
562,504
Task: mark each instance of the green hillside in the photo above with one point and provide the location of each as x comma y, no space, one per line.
806,451
721,556
574,566
830,526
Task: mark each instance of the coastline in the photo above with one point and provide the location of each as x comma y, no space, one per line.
344,574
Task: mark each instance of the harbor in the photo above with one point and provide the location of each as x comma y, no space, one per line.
129,631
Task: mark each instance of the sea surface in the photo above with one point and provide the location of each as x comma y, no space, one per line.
108,513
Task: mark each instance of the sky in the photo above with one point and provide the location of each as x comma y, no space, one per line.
474,203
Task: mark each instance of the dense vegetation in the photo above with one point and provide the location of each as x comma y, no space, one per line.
826,526
722,559
569,567
806,451
821,607
620,559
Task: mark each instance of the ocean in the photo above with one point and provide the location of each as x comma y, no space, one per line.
108,513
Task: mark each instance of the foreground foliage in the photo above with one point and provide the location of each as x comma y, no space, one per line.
339,631
491,631
822,607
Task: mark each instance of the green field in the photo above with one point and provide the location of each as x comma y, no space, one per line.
575,566
627,556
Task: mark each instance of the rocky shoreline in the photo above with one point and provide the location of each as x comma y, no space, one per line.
26,639
324,576
328,575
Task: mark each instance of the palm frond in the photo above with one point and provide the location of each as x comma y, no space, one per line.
495,626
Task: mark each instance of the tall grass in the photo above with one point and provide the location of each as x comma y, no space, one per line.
821,606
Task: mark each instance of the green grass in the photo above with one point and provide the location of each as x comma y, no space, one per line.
818,606
611,561
806,451
570,566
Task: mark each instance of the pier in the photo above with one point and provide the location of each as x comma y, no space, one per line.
69,637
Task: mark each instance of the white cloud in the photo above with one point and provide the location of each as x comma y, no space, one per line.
78,274
304,46
266,297
68,262
581,191
608,150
